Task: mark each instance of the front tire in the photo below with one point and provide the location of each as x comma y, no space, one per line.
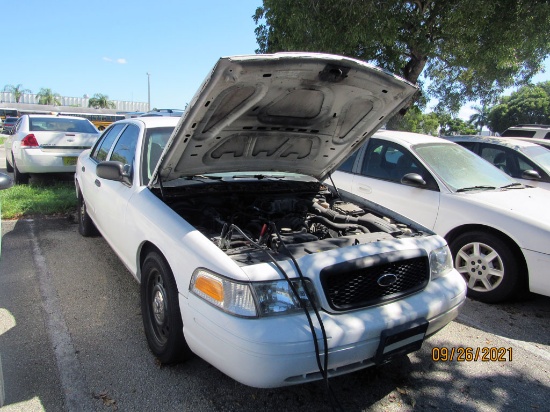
86,227
160,311
489,266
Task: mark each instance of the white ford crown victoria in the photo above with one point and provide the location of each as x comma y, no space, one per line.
243,255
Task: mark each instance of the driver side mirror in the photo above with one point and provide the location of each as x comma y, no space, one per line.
413,179
5,181
114,170
531,175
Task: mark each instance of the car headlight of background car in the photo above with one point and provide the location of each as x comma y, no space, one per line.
250,299
441,262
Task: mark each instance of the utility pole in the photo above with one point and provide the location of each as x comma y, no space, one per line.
148,91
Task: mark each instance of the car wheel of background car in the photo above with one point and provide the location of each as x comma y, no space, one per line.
85,225
160,311
9,168
487,264
18,177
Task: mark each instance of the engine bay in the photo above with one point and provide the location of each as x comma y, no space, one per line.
246,220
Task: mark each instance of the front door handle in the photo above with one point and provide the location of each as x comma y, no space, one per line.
97,183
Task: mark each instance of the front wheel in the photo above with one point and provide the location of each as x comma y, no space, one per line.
488,265
160,311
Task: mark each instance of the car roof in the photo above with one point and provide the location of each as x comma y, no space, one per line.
408,138
509,142
153,121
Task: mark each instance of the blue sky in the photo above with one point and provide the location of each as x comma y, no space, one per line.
96,46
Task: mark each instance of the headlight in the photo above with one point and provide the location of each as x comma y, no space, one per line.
229,296
275,298
249,299
441,262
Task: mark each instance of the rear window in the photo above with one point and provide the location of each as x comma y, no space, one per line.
49,124
11,120
518,133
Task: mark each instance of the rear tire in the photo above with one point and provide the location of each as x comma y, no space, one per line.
9,168
86,227
18,177
489,266
160,311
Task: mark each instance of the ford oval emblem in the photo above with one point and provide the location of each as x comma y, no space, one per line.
387,280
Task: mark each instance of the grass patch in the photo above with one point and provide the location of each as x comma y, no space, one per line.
2,140
25,200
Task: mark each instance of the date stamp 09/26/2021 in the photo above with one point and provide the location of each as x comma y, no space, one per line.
471,354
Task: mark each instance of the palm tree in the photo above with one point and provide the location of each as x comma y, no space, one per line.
18,91
101,101
47,96
481,117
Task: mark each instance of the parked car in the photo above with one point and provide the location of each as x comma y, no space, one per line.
540,142
497,228
537,131
47,144
527,162
243,255
8,124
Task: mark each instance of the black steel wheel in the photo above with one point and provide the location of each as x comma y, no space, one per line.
160,311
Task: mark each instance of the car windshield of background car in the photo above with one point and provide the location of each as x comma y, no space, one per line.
48,124
459,168
540,155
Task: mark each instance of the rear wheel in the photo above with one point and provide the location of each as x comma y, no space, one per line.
160,311
18,177
488,265
85,225
9,168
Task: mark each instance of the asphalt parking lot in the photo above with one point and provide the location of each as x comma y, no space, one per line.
71,338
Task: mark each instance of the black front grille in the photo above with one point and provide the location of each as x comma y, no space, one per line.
356,287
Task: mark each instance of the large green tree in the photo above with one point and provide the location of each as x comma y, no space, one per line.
101,101
47,96
17,91
480,117
457,50
528,105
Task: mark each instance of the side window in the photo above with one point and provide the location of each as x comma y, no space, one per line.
468,145
547,135
525,164
347,166
499,157
103,146
388,161
125,148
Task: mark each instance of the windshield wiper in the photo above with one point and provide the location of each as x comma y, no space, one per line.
259,177
203,177
516,185
467,189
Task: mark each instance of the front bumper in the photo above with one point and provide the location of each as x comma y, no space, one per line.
279,350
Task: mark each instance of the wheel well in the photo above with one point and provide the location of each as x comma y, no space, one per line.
145,249
453,234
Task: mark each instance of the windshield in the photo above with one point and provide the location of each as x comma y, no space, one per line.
461,169
60,124
539,155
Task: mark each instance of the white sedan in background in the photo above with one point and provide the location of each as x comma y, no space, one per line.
47,144
243,255
526,161
498,229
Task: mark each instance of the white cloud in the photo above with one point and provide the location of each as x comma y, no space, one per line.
119,60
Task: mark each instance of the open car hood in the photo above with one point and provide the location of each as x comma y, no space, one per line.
286,112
